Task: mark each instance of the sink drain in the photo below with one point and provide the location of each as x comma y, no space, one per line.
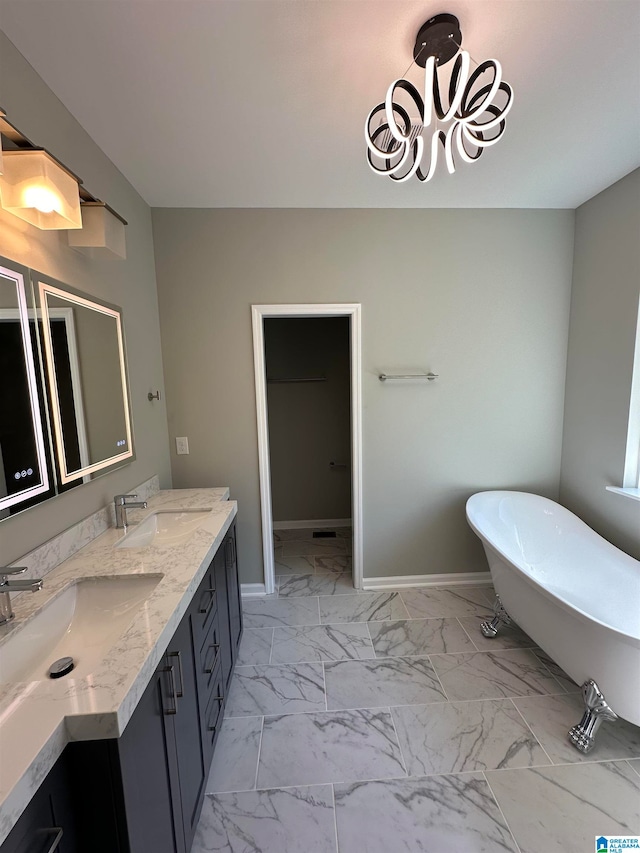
62,666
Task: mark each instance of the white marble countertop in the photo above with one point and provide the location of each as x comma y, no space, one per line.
38,718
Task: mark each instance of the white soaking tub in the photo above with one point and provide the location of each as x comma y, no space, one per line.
573,592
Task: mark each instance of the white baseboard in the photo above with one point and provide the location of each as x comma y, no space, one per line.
447,579
249,589
316,523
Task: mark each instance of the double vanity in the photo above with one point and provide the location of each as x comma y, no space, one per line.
113,680
115,670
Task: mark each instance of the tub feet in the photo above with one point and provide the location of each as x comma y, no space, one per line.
596,712
500,617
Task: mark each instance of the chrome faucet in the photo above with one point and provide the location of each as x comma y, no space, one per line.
7,586
121,505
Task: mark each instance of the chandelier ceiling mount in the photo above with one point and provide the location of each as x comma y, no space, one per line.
441,37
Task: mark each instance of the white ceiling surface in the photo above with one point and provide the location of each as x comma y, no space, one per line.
261,103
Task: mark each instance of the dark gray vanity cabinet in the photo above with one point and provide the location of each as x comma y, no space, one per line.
233,593
230,620
48,823
181,712
160,759
226,660
193,764
143,767
143,792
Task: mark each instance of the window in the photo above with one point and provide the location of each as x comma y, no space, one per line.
631,474
631,478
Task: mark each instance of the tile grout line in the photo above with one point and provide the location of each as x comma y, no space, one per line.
421,775
395,731
422,656
548,669
577,763
350,781
255,784
458,618
538,741
373,648
440,702
506,822
629,760
335,816
406,609
562,691
324,679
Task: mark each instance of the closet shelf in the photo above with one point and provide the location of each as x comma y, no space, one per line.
310,379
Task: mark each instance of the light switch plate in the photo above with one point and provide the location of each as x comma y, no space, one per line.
182,445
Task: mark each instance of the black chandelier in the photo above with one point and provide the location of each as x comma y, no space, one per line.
472,119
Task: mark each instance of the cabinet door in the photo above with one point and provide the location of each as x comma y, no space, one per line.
35,832
226,659
64,805
149,768
233,591
48,822
192,768
93,776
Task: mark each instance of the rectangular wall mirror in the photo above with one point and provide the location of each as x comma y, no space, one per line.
86,370
65,413
23,465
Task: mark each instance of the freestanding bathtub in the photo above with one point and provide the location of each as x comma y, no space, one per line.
573,592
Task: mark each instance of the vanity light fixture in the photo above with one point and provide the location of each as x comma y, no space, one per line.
39,189
472,119
102,234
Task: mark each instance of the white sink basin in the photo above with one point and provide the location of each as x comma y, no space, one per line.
83,622
164,528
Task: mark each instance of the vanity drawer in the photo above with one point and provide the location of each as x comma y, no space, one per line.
205,604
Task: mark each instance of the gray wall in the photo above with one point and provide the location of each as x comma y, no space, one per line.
309,422
33,108
481,297
604,315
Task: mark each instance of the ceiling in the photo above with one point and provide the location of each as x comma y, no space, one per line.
261,103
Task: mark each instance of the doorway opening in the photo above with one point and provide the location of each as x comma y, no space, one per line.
308,399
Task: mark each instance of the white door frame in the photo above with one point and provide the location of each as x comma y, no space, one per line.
259,313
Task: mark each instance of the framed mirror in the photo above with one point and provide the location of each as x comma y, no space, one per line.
87,380
65,413
24,473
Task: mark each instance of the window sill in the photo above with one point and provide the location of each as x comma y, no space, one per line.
634,494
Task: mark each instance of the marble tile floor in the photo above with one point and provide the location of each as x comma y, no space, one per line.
297,552
384,722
